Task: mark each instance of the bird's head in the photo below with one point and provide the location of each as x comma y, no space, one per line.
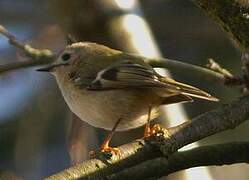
76,54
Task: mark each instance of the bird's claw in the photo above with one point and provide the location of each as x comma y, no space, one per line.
154,130
111,150
106,150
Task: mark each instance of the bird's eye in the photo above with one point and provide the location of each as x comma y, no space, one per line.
66,57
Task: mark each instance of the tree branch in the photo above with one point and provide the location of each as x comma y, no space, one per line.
23,64
221,154
188,69
226,117
35,56
45,56
232,16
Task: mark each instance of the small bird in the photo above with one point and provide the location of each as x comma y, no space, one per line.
114,90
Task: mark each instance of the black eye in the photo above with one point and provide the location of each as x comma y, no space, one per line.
66,57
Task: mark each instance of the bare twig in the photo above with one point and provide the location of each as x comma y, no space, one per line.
223,118
35,56
12,39
188,69
22,64
25,48
221,154
229,78
213,65
45,56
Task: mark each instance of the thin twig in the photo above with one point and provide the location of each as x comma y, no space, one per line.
36,56
22,64
229,78
188,69
45,56
12,39
25,48
213,65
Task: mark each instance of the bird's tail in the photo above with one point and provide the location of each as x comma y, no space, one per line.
181,88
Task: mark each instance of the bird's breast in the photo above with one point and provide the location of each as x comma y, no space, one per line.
103,108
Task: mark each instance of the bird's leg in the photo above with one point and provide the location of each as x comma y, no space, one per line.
148,131
105,145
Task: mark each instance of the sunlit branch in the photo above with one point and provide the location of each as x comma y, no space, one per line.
212,155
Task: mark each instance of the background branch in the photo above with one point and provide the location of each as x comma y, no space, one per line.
232,16
223,118
221,154
23,64
45,56
35,56
188,69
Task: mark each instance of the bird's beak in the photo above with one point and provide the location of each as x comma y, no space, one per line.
45,69
49,68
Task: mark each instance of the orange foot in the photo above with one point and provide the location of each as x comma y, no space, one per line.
156,129
106,150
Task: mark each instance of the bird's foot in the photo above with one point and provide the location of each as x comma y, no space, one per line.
112,150
109,151
154,130
157,129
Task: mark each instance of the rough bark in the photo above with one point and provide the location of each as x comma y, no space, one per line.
212,155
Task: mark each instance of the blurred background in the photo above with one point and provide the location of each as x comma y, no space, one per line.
39,136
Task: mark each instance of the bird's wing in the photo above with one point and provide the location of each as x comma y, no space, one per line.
126,74
130,74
